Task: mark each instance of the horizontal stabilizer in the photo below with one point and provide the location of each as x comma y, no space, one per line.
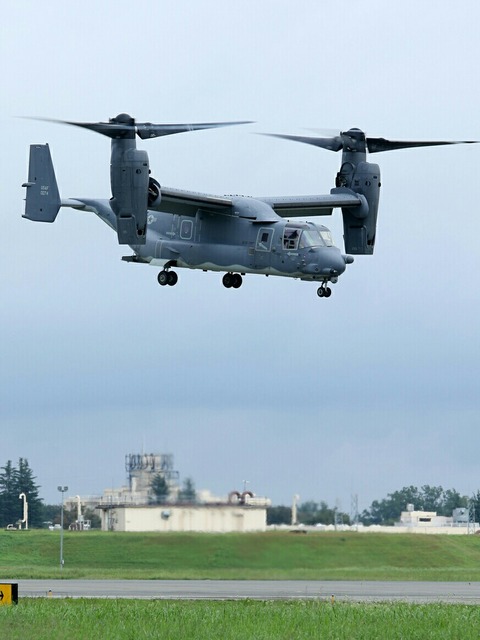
43,200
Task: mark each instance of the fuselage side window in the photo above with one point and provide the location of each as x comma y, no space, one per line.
264,240
186,229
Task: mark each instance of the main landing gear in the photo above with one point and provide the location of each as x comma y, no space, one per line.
232,280
324,291
167,277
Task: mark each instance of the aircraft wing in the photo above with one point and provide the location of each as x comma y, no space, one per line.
293,206
186,203
181,202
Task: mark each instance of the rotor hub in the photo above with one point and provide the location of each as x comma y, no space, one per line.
123,118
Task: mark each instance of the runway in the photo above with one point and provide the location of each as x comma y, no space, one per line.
354,591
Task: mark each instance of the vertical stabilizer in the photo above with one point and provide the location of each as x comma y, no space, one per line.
43,199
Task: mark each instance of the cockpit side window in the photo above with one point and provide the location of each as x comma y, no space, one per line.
291,236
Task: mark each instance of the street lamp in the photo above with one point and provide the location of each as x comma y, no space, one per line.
62,489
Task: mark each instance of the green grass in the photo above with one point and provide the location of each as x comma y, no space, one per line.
44,619
272,556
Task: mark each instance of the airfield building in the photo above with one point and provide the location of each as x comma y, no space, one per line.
213,518
134,507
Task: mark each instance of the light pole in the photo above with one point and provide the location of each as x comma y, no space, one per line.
62,490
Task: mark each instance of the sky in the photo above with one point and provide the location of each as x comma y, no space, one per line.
360,394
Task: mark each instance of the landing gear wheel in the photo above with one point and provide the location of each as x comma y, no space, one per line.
324,292
172,278
237,281
227,280
163,278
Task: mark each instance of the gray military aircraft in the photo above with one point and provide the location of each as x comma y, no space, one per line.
172,228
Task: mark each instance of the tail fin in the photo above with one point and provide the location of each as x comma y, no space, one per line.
43,199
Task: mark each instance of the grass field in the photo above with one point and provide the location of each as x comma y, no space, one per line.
118,619
272,555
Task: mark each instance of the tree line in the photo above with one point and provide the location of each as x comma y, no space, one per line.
427,498
161,490
384,512
308,513
15,480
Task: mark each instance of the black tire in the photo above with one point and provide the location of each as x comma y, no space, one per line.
237,281
172,278
162,278
227,280
320,292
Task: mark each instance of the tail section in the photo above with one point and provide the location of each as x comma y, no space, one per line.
43,199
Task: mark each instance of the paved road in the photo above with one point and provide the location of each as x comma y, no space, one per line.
464,592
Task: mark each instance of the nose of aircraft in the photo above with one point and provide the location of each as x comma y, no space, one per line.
336,263
327,261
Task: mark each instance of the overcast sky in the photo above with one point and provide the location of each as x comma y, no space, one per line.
366,392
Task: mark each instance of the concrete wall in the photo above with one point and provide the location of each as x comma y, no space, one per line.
215,519
377,528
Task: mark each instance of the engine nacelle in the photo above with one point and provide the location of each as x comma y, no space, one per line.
129,175
360,222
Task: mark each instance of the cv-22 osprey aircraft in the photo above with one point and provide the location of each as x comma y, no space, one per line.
236,235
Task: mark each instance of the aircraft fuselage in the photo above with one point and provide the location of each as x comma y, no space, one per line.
228,243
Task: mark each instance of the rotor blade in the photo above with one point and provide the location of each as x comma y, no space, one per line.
375,145
110,129
332,144
148,130
124,126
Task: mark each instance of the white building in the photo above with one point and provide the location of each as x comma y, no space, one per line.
423,519
219,518
133,508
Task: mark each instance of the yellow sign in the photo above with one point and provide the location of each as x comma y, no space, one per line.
8,593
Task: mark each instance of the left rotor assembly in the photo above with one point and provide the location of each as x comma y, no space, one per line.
131,184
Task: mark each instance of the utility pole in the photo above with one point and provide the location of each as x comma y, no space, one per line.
471,515
354,511
62,489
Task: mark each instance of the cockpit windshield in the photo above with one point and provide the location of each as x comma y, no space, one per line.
311,238
315,236
306,236
327,237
